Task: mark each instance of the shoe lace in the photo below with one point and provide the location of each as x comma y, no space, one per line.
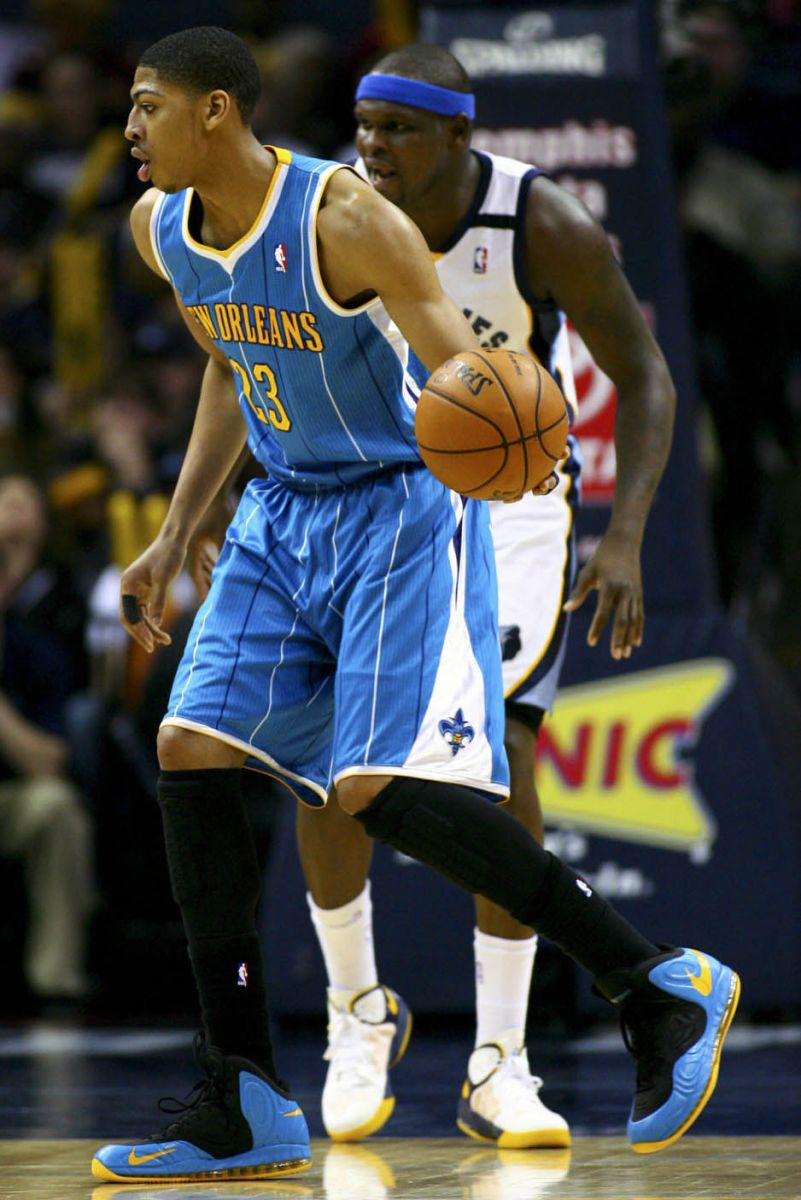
355,1048
517,1076
207,1092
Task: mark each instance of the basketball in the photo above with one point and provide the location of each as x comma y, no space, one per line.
491,424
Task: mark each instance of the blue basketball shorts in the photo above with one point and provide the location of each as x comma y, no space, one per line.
352,631
535,557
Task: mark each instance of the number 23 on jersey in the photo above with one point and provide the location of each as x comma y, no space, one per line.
267,406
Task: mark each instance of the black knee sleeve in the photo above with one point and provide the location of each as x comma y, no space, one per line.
211,855
463,836
485,850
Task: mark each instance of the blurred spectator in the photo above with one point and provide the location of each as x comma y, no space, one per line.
78,494
20,436
42,819
24,216
742,233
302,97
70,121
752,53
82,27
23,211
123,427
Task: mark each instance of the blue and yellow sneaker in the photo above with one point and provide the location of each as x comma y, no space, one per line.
368,1032
239,1126
675,1013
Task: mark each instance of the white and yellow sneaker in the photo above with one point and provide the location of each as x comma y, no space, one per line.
368,1033
500,1100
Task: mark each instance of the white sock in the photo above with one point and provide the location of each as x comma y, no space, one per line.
346,939
503,978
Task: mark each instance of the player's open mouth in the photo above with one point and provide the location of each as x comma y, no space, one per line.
379,174
143,174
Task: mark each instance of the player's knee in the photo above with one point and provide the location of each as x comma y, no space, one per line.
172,746
357,792
184,750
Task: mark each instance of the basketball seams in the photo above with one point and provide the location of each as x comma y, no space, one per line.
547,429
514,409
522,439
466,408
503,445
465,491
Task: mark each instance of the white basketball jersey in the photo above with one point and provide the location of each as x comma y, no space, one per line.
483,267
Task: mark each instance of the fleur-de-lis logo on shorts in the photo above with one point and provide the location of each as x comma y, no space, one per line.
457,732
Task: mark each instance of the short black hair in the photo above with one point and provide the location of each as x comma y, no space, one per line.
204,58
427,64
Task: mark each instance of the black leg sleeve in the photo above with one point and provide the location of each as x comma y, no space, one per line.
216,883
484,849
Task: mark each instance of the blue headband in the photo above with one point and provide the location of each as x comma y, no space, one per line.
399,90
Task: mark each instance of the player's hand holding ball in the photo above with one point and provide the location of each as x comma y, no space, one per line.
492,424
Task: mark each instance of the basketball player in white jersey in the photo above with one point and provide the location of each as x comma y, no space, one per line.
518,254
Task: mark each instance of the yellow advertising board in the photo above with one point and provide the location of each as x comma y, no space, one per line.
616,758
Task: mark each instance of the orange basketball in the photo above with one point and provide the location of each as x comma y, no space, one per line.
491,424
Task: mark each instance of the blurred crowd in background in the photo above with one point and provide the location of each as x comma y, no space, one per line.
99,378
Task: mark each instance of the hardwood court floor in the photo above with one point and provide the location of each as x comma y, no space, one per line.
597,1168
65,1091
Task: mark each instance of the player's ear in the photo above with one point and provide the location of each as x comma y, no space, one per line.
217,107
459,130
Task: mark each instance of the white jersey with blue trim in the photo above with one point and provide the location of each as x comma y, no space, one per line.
328,393
482,267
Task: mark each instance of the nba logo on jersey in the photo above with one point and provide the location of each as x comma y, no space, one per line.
280,258
480,260
242,975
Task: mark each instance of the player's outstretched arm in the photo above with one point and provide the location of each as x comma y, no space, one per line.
368,246
218,435
569,260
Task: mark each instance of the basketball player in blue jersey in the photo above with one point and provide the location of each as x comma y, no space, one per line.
351,620
517,253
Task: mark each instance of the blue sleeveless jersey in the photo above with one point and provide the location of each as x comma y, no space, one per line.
328,393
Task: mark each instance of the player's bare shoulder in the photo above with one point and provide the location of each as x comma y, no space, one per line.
553,211
141,219
362,239
351,209
564,242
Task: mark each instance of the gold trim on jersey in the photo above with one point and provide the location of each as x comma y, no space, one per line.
151,229
283,159
314,257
